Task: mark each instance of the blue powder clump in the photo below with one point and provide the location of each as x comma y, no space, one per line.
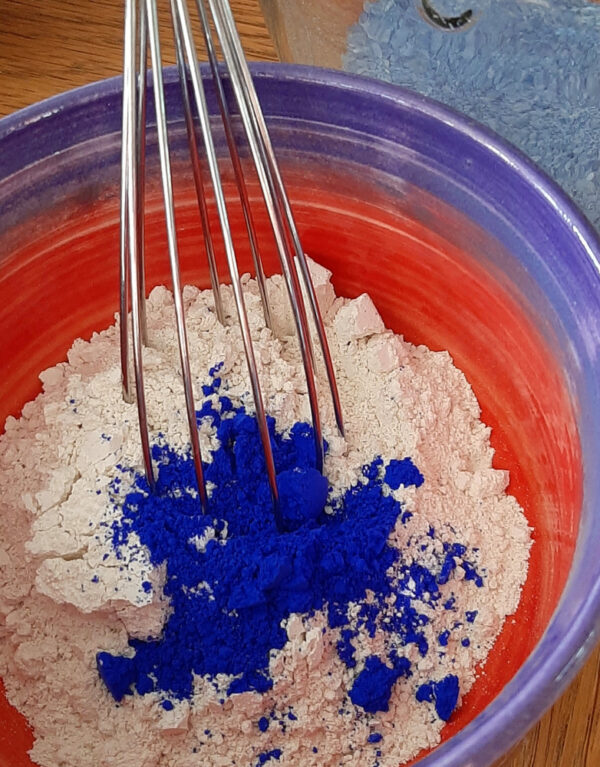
373,686
268,755
263,724
404,473
443,693
261,575
258,570
528,70
345,648
375,737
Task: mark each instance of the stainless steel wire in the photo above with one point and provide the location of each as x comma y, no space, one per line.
142,30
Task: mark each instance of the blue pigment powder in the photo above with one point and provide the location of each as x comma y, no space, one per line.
230,596
443,693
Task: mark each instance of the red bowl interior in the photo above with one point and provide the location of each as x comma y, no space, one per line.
60,281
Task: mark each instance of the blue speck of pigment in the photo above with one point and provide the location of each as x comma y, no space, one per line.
443,693
207,410
215,381
471,615
371,470
346,649
400,663
443,638
404,473
471,574
267,755
465,642
263,724
375,737
147,586
167,705
452,553
424,693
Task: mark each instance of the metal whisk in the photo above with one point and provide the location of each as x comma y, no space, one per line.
142,32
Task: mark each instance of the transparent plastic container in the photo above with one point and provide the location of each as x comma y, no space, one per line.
529,69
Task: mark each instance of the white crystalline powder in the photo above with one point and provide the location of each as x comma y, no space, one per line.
65,595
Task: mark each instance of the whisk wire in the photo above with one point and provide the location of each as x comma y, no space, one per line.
141,165
235,159
132,260
124,257
167,185
245,88
196,166
291,256
184,26
258,151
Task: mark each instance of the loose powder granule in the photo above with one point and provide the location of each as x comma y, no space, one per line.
138,630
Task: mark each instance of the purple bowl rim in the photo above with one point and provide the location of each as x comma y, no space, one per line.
569,653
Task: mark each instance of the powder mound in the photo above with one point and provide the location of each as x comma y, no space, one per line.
254,575
346,629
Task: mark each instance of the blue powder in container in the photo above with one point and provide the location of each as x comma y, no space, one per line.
263,724
256,572
443,693
268,755
373,686
404,473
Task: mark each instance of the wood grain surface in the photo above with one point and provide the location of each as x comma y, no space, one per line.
51,46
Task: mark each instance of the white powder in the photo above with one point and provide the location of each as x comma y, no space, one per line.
64,595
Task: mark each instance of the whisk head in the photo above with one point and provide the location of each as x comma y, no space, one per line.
141,35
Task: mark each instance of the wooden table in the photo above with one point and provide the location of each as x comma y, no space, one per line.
51,46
